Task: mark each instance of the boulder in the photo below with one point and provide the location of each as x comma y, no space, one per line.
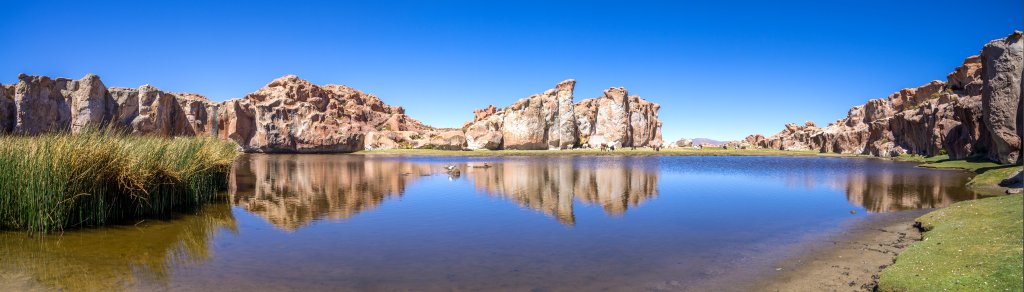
1002,64
684,143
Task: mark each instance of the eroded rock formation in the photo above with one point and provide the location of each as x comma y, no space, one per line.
976,111
1003,62
292,115
288,115
551,121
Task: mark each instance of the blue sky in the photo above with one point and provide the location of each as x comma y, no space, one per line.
719,70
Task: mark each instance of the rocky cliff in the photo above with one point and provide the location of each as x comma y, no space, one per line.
293,115
551,120
976,111
287,115
290,114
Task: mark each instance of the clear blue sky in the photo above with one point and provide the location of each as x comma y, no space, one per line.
719,70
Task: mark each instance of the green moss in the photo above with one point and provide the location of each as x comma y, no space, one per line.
969,246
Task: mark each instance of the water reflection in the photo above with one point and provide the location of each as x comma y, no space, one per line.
291,191
447,236
112,258
551,185
886,191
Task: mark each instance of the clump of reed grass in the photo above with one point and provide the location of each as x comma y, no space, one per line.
57,181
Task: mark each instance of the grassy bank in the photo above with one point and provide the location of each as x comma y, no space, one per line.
620,152
969,246
58,181
988,173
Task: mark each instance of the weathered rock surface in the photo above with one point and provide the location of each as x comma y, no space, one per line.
293,115
8,114
619,119
288,115
45,105
959,117
1003,62
551,120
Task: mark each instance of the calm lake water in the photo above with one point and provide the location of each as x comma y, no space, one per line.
350,222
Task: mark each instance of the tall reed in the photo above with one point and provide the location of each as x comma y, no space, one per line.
56,181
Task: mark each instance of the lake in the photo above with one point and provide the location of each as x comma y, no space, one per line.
354,222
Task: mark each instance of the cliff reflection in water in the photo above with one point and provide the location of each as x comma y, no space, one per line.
551,185
291,191
886,191
885,186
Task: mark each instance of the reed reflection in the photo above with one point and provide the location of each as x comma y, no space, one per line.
113,258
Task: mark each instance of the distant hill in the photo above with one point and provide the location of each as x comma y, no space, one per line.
706,141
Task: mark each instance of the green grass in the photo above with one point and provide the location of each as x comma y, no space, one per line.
620,152
969,246
57,181
920,158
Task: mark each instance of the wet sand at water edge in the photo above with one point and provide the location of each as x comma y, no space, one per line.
848,261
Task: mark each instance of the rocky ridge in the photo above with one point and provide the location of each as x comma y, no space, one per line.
292,115
976,111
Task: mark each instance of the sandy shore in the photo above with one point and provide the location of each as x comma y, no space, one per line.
848,261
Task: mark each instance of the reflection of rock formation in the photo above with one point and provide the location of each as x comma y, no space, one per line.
111,259
293,190
885,191
550,185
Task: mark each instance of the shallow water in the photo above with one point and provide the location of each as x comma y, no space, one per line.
350,222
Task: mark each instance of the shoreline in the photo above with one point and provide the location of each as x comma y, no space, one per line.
849,259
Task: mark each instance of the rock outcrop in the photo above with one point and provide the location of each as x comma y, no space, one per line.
1003,62
288,115
8,112
540,121
976,111
551,120
619,119
292,115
